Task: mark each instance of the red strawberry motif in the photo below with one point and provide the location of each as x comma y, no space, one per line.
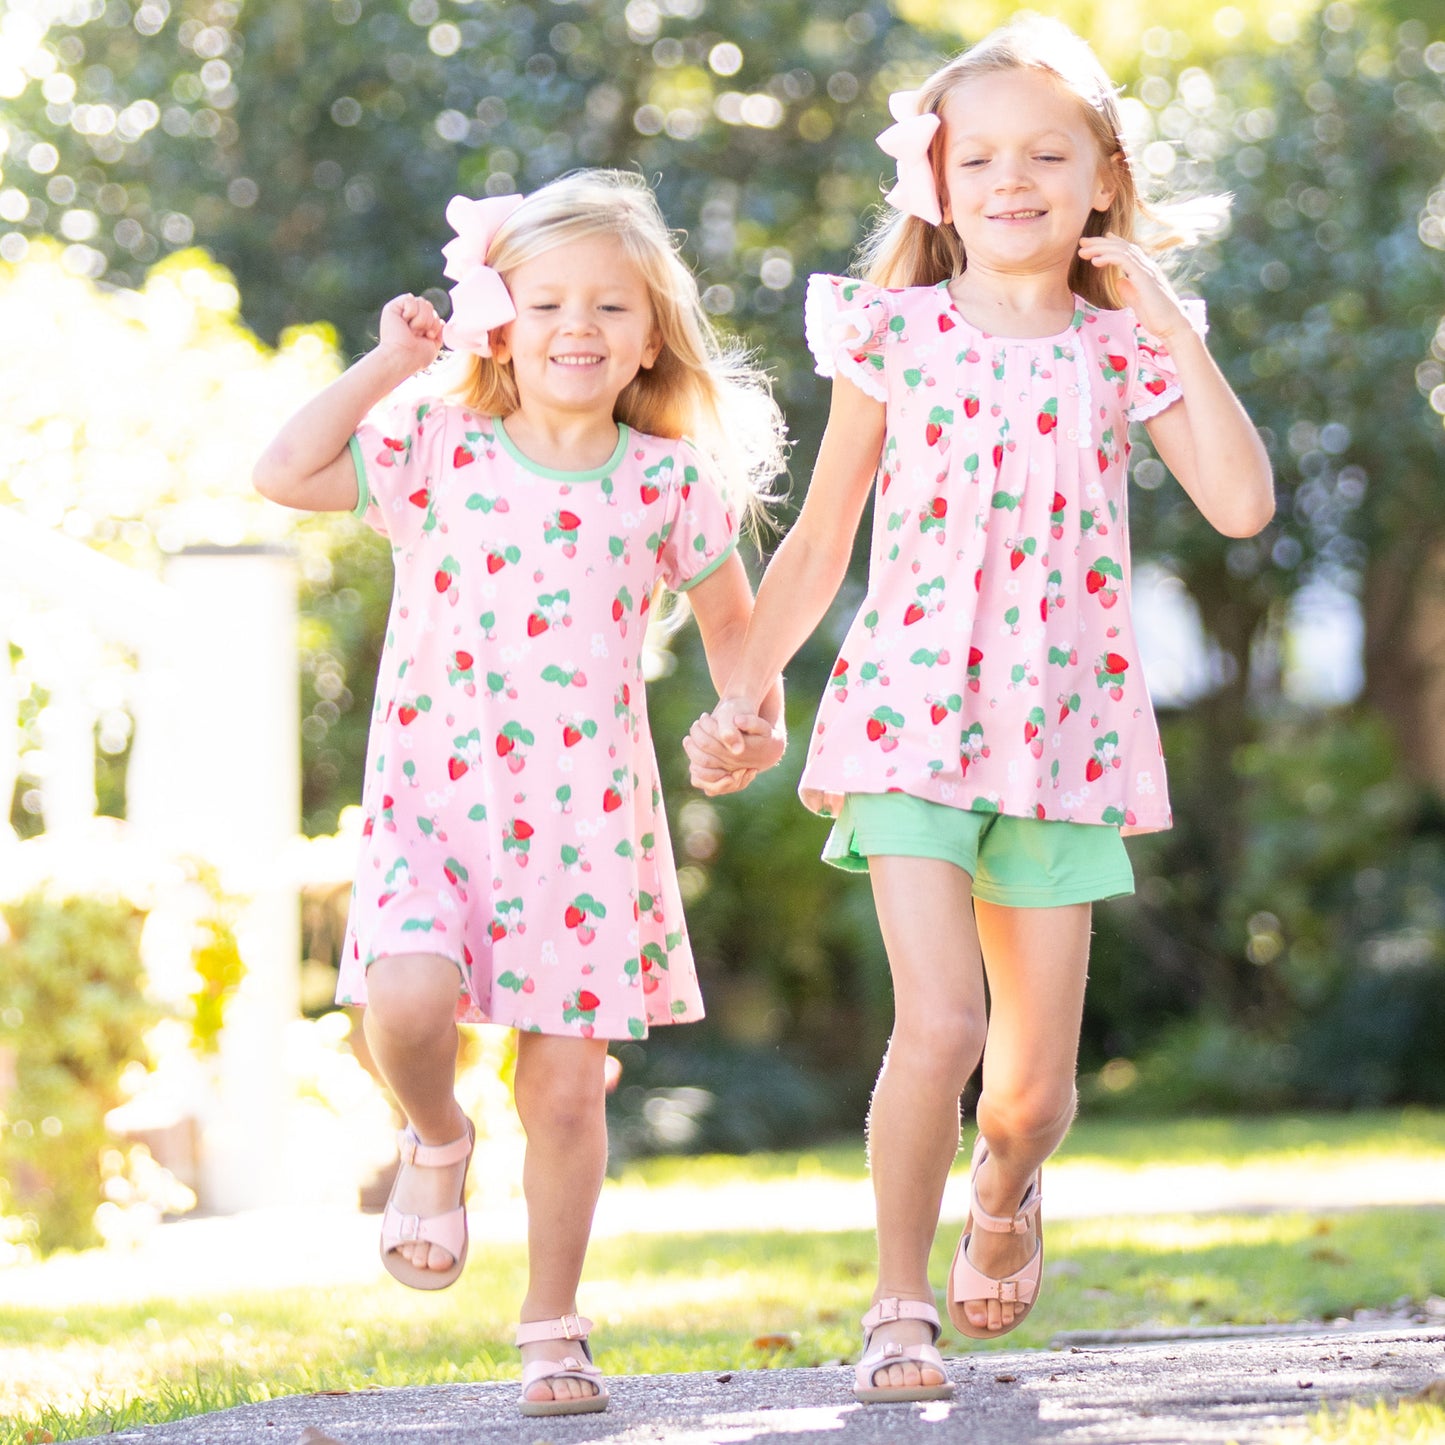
463,457
876,729
945,323
522,829
840,667
443,579
1113,663
457,768
1117,363
571,736
912,615
568,521
1047,423
1094,770
1058,504
498,932
573,916
385,899
420,498
1016,558
970,406
998,454
504,745
1031,731
495,562
650,493
939,507
938,712
611,800
617,609
587,1001
536,624
975,656
1155,387
405,714
464,661
932,432
395,443
1103,460
1094,581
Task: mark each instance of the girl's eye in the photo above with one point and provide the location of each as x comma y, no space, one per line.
1051,158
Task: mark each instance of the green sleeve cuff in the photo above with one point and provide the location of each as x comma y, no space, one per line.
711,567
363,492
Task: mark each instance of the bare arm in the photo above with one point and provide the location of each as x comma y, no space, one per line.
722,603
308,464
809,565
1206,439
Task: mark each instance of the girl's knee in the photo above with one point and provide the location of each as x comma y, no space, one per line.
940,1042
412,998
563,1092
1035,1111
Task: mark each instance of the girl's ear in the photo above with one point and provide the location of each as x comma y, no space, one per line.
652,350
1108,181
502,344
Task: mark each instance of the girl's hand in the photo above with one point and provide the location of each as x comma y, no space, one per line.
411,331
1143,286
759,746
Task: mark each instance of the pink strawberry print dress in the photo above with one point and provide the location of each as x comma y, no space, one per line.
992,665
513,819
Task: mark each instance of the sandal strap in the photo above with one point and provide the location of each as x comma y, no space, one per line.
432,1156
891,1308
1021,1221
570,1368
565,1327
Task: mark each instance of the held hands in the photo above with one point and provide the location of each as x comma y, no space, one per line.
1142,285
410,331
730,746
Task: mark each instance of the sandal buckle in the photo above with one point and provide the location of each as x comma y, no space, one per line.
571,1327
888,1310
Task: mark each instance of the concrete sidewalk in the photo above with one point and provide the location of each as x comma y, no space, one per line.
1194,1392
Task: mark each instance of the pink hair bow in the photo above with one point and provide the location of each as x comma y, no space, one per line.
907,141
480,299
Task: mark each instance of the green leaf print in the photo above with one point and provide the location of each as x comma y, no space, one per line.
510,980
637,1028
477,812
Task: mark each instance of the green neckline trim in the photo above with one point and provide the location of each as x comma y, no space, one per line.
551,474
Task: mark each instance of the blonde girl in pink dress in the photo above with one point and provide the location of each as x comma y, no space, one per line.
516,866
986,735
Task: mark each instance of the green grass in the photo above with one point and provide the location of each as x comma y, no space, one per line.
1411,1422
1288,1139
103,1368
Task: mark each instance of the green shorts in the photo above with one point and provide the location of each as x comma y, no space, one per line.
1016,862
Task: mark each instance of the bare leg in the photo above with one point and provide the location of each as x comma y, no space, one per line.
1037,961
410,1025
560,1098
926,914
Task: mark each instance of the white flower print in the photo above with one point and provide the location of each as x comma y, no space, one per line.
852,766
1145,783
599,645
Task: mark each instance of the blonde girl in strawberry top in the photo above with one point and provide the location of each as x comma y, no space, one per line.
596,447
986,733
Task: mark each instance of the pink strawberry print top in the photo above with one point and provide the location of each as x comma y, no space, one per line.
992,665
513,819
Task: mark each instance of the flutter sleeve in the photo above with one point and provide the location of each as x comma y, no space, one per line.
395,451
700,532
848,324
1155,383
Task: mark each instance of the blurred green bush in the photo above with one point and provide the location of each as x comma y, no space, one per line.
73,1014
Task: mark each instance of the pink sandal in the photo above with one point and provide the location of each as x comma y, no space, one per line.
568,1327
447,1231
893,1353
1021,1288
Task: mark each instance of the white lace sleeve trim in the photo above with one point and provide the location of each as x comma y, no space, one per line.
833,334
1153,405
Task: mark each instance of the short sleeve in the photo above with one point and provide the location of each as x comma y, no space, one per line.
847,324
1155,384
392,451
699,530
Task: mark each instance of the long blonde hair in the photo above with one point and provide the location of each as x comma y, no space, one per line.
906,251
700,387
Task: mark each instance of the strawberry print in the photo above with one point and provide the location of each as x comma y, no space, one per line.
1002,472
512,808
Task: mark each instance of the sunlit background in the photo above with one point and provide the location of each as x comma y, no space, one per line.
204,204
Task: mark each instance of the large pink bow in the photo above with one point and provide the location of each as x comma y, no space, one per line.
480,299
907,141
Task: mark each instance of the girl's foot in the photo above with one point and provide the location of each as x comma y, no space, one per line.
429,1193
900,1361
558,1376
996,1270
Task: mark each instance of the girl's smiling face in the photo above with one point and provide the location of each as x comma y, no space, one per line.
584,326
1022,170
